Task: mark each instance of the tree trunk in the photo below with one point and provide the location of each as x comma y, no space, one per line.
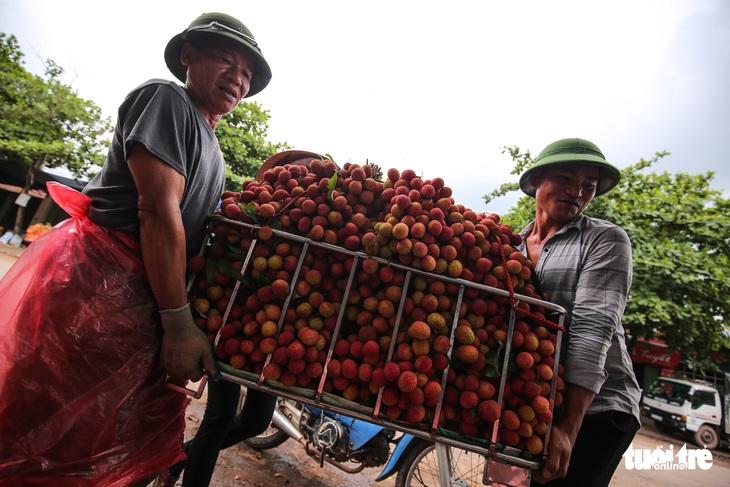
29,180
19,217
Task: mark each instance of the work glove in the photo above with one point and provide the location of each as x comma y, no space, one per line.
186,350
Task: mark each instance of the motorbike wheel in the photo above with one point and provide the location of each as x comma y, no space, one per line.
271,438
420,466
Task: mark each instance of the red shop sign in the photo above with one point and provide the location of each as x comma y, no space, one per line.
655,356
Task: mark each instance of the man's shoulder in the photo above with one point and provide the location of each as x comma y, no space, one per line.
157,86
592,222
159,96
597,226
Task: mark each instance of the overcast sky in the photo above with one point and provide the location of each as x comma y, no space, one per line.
438,87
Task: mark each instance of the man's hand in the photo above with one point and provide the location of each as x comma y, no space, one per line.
560,448
564,433
186,350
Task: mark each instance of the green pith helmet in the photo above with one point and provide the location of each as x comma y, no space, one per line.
219,24
573,151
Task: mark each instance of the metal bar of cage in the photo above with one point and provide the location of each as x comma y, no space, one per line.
507,454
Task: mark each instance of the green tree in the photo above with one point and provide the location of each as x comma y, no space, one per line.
679,229
242,136
43,122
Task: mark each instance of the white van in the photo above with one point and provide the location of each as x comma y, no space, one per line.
688,406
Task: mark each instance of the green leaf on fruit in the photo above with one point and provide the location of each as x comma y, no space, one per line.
262,281
495,359
234,251
226,268
249,210
331,185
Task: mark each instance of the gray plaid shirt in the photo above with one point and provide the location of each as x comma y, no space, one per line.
586,268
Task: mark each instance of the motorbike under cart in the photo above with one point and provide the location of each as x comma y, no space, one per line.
453,443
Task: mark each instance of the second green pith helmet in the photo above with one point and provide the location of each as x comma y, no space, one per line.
573,151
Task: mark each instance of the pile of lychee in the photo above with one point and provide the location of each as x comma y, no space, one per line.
347,318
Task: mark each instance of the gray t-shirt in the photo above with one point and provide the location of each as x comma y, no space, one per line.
160,115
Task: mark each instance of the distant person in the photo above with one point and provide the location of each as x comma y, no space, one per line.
95,312
584,265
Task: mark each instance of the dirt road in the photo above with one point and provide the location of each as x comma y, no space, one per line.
288,465
8,256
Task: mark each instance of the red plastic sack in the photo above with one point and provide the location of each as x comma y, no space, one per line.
83,401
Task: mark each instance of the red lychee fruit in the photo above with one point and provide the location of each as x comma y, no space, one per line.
349,368
365,372
419,330
541,405
295,350
371,349
377,378
267,345
334,368
351,392
468,399
280,288
432,391
510,420
196,263
524,430
415,413
308,336
285,338
423,364
407,381
534,445
421,347
546,348
393,412
440,361
467,353
544,372
532,389
272,371
441,344
540,427
464,334
416,396
470,382
489,410
531,342
296,366
391,396
314,370
509,437
342,347
524,360
486,390
391,370
525,412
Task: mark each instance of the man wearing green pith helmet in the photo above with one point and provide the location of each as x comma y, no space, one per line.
97,317
584,265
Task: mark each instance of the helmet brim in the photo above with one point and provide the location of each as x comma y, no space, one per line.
608,178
